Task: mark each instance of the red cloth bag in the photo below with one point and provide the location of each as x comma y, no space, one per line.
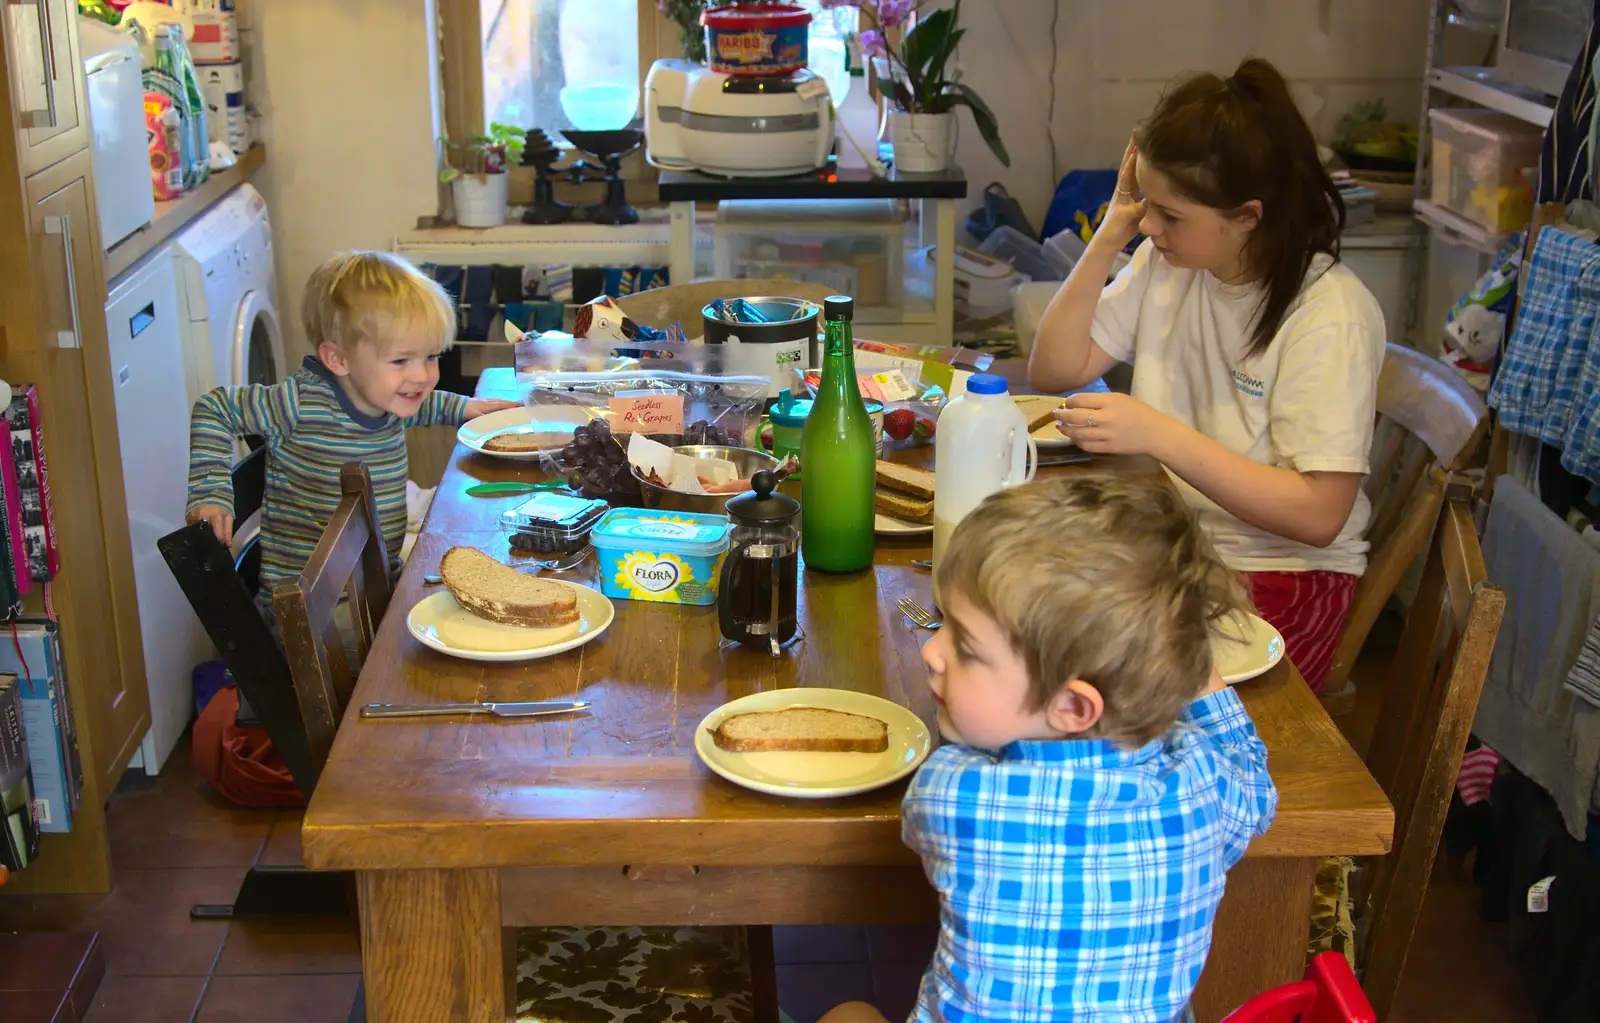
240,763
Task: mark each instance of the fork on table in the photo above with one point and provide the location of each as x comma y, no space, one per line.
917,614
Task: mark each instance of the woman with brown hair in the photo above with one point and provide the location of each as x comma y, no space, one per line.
1255,353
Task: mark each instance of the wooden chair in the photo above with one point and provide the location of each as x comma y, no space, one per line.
1429,423
555,966
682,303
350,558
1415,755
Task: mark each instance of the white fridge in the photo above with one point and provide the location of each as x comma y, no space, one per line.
145,322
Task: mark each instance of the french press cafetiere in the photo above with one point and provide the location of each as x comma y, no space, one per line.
756,599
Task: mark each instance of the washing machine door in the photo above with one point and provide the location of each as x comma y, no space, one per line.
256,355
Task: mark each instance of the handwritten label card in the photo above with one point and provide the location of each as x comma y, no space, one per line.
646,412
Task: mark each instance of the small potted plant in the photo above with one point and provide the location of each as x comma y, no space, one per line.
477,174
919,74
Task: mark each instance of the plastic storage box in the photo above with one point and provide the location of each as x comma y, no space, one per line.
855,246
1031,259
1483,165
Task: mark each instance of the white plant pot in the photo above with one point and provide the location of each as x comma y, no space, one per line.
922,142
480,199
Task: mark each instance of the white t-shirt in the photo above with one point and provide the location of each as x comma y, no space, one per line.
1306,403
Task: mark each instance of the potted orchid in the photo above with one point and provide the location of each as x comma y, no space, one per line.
922,79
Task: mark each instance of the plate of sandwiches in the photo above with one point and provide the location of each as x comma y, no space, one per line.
904,500
524,434
489,611
1040,410
812,743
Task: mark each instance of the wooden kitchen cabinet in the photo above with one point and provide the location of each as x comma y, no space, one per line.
80,415
53,335
46,79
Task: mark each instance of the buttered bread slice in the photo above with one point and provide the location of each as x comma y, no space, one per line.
500,593
805,729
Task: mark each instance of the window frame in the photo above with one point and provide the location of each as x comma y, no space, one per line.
461,59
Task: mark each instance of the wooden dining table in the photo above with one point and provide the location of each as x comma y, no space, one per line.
460,828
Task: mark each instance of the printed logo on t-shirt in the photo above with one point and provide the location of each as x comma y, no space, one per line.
1247,384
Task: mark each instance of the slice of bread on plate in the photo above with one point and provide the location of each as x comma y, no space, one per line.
906,479
500,593
903,506
527,440
1039,408
802,729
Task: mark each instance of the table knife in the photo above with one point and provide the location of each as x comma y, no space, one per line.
499,710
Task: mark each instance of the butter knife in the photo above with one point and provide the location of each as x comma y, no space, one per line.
499,710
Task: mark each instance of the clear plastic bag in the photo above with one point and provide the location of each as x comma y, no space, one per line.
722,410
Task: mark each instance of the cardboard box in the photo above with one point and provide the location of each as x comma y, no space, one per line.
216,30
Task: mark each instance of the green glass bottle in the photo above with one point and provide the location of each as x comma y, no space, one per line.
838,457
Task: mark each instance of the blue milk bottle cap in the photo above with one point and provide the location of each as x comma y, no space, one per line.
986,383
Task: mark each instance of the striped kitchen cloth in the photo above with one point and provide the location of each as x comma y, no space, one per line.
1583,680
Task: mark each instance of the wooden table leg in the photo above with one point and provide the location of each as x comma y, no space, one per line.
1259,940
431,948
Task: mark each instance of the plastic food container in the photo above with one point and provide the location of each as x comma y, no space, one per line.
1482,164
672,557
757,39
552,523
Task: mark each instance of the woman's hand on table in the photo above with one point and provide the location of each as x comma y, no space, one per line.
483,406
1116,424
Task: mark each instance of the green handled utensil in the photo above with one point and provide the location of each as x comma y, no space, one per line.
508,489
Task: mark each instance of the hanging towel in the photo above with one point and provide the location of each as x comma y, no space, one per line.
1538,382
1580,444
1549,575
1584,678
1566,159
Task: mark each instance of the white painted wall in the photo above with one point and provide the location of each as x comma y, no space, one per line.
349,108
1113,57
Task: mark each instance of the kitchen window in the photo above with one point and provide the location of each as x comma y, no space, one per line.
506,61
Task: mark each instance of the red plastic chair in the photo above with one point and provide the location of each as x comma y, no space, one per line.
1328,993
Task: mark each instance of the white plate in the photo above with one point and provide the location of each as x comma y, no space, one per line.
526,419
1050,437
818,775
439,622
888,525
1247,647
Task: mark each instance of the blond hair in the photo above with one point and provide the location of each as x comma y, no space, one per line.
1108,579
368,297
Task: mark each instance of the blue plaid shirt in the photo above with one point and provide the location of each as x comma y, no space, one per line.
1078,880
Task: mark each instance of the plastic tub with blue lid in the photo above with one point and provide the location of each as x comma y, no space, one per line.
673,557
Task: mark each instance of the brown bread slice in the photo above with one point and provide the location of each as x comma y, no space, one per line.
906,479
1039,408
902,506
523,440
804,729
500,593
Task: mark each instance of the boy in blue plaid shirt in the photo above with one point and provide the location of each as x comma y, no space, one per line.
1098,779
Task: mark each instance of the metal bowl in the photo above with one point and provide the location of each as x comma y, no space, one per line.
747,461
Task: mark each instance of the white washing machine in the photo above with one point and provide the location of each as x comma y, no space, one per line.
225,264
145,324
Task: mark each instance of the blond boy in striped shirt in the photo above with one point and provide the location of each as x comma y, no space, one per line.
377,326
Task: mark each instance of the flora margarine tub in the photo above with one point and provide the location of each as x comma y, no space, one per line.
660,555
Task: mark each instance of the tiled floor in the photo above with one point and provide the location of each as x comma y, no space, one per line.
176,843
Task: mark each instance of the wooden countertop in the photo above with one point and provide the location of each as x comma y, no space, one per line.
176,214
622,784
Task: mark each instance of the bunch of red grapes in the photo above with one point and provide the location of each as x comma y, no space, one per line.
595,463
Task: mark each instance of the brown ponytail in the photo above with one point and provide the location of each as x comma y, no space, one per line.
1224,143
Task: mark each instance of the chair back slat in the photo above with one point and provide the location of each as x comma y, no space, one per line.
350,560
1438,676
1430,421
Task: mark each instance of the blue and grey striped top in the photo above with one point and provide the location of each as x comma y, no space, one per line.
311,429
